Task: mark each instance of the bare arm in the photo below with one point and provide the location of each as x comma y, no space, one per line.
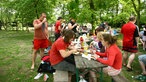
137,40
46,30
36,26
70,26
141,41
65,53
59,28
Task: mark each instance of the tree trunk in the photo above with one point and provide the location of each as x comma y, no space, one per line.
137,11
92,16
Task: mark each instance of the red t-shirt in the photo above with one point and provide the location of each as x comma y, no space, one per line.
40,33
114,57
58,23
55,56
130,31
128,34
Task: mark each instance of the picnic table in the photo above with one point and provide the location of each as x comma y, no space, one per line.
84,63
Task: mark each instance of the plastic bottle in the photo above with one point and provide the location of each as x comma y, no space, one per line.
82,79
139,77
88,35
81,42
85,48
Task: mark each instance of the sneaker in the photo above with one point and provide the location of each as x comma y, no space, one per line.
38,75
46,77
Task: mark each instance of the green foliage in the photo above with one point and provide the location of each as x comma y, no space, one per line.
29,10
143,18
73,9
84,16
93,11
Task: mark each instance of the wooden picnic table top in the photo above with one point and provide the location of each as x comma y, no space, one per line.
82,62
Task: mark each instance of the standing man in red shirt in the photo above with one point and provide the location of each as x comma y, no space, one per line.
58,28
130,41
40,37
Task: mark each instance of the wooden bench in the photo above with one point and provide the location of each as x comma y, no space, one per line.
61,76
84,63
119,78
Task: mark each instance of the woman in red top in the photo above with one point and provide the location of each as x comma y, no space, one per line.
60,50
111,57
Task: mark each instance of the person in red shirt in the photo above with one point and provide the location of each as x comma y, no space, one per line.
58,28
60,50
130,34
112,57
40,41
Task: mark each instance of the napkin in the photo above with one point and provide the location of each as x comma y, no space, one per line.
86,56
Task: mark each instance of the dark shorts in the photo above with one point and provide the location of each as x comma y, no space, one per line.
43,43
57,35
65,66
133,49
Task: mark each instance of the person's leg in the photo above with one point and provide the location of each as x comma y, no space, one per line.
92,77
142,67
142,61
144,45
105,70
69,76
34,55
130,60
125,56
42,52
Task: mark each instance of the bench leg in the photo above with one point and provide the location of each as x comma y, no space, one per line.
101,74
77,75
113,80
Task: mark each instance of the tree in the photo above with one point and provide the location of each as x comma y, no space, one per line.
115,12
28,10
137,7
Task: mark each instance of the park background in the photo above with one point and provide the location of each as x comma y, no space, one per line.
16,30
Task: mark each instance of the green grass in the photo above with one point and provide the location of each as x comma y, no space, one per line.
15,59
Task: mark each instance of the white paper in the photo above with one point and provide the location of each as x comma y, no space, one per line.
87,56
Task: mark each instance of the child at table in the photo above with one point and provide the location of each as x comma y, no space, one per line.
112,53
96,43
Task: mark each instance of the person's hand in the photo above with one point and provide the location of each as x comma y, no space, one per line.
80,50
91,45
95,56
75,25
44,20
92,51
74,50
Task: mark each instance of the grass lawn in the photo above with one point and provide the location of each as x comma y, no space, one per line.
15,59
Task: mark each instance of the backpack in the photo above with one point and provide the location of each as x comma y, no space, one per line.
45,66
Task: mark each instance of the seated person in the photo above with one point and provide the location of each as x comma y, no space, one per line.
142,35
96,43
142,62
112,53
59,51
